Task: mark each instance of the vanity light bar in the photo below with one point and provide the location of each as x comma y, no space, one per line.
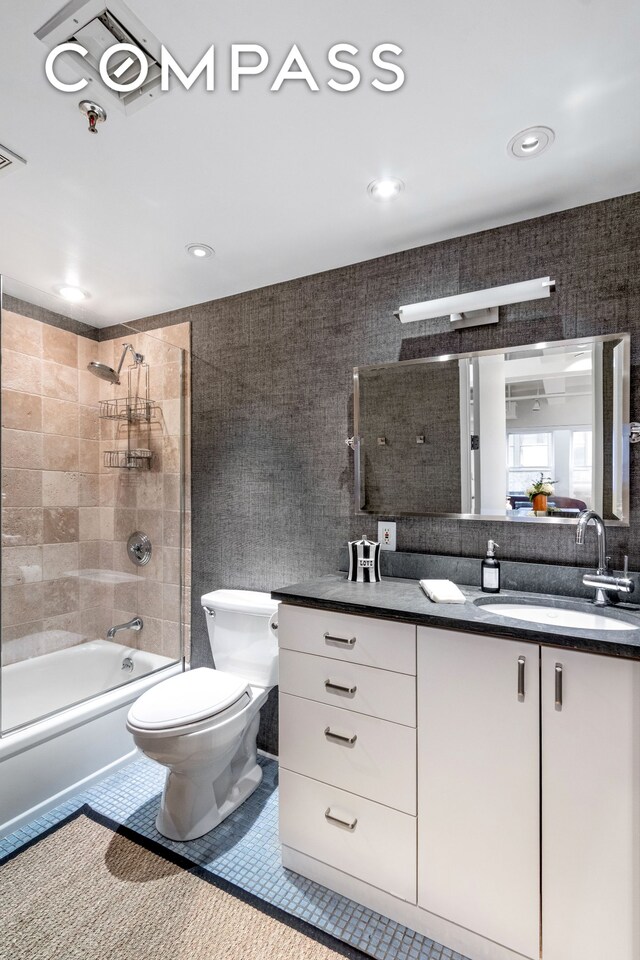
479,307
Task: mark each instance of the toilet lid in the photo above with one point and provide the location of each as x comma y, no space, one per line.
186,698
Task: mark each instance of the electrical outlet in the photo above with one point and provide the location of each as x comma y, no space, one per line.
387,534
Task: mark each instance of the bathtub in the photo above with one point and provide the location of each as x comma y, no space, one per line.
45,761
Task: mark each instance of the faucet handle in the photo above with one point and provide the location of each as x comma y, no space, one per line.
626,566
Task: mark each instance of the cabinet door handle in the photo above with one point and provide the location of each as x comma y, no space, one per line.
521,663
339,737
345,641
338,687
349,824
558,673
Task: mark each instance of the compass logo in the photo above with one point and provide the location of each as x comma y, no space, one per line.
124,68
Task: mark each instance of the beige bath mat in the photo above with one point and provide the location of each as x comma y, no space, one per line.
91,890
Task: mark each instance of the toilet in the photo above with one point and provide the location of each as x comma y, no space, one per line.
202,724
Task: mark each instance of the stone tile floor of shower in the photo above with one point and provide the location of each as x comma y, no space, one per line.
245,850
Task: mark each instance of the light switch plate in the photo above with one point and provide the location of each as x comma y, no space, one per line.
387,534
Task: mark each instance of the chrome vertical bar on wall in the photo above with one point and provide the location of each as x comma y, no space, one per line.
358,465
358,474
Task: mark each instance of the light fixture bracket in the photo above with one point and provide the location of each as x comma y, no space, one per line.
474,318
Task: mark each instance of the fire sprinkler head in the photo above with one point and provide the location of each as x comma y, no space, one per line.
94,113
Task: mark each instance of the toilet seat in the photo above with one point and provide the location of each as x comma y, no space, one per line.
188,699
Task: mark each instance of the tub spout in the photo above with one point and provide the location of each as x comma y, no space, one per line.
135,624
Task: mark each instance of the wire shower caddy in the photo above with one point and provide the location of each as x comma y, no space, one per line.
134,409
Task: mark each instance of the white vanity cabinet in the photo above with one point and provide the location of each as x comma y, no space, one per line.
478,785
348,744
485,730
590,806
484,791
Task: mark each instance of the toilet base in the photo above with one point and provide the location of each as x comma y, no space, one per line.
189,809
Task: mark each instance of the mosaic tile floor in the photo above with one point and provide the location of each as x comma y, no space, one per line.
245,850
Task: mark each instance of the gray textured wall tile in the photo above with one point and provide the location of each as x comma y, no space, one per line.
272,404
47,316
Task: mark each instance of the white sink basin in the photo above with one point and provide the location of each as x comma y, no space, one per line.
557,616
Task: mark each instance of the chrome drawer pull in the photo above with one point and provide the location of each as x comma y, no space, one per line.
339,738
521,663
339,688
345,641
348,824
558,672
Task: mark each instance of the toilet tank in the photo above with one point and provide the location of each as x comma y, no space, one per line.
242,628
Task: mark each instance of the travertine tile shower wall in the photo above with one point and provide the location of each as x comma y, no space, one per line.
50,489
66,577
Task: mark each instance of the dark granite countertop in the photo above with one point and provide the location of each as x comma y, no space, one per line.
398,599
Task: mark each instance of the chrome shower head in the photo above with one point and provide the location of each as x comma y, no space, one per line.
103,371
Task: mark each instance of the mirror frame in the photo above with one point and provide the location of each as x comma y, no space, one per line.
624,338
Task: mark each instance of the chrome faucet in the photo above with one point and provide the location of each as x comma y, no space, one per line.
607,586
135,624
583,520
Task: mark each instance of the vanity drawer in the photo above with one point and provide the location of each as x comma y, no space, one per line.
364,839
351,686
341,636
367,756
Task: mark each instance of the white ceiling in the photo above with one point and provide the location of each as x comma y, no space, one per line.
276,182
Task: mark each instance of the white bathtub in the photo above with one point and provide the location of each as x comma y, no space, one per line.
45,762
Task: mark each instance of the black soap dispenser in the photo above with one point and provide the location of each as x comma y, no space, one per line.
490,573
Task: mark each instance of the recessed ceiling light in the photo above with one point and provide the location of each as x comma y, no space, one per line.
200,250
530,142
72,294
387,188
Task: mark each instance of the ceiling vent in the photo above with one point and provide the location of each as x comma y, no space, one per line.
9,160
97,25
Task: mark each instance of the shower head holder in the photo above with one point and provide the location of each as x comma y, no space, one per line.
105,372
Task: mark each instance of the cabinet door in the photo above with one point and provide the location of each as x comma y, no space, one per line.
590,807
478,785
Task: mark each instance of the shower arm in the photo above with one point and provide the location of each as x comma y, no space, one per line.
138,358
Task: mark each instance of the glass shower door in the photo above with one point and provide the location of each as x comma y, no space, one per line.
86,463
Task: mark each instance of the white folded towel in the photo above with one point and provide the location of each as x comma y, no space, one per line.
442,591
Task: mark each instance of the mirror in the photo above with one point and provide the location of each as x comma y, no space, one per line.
474,435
